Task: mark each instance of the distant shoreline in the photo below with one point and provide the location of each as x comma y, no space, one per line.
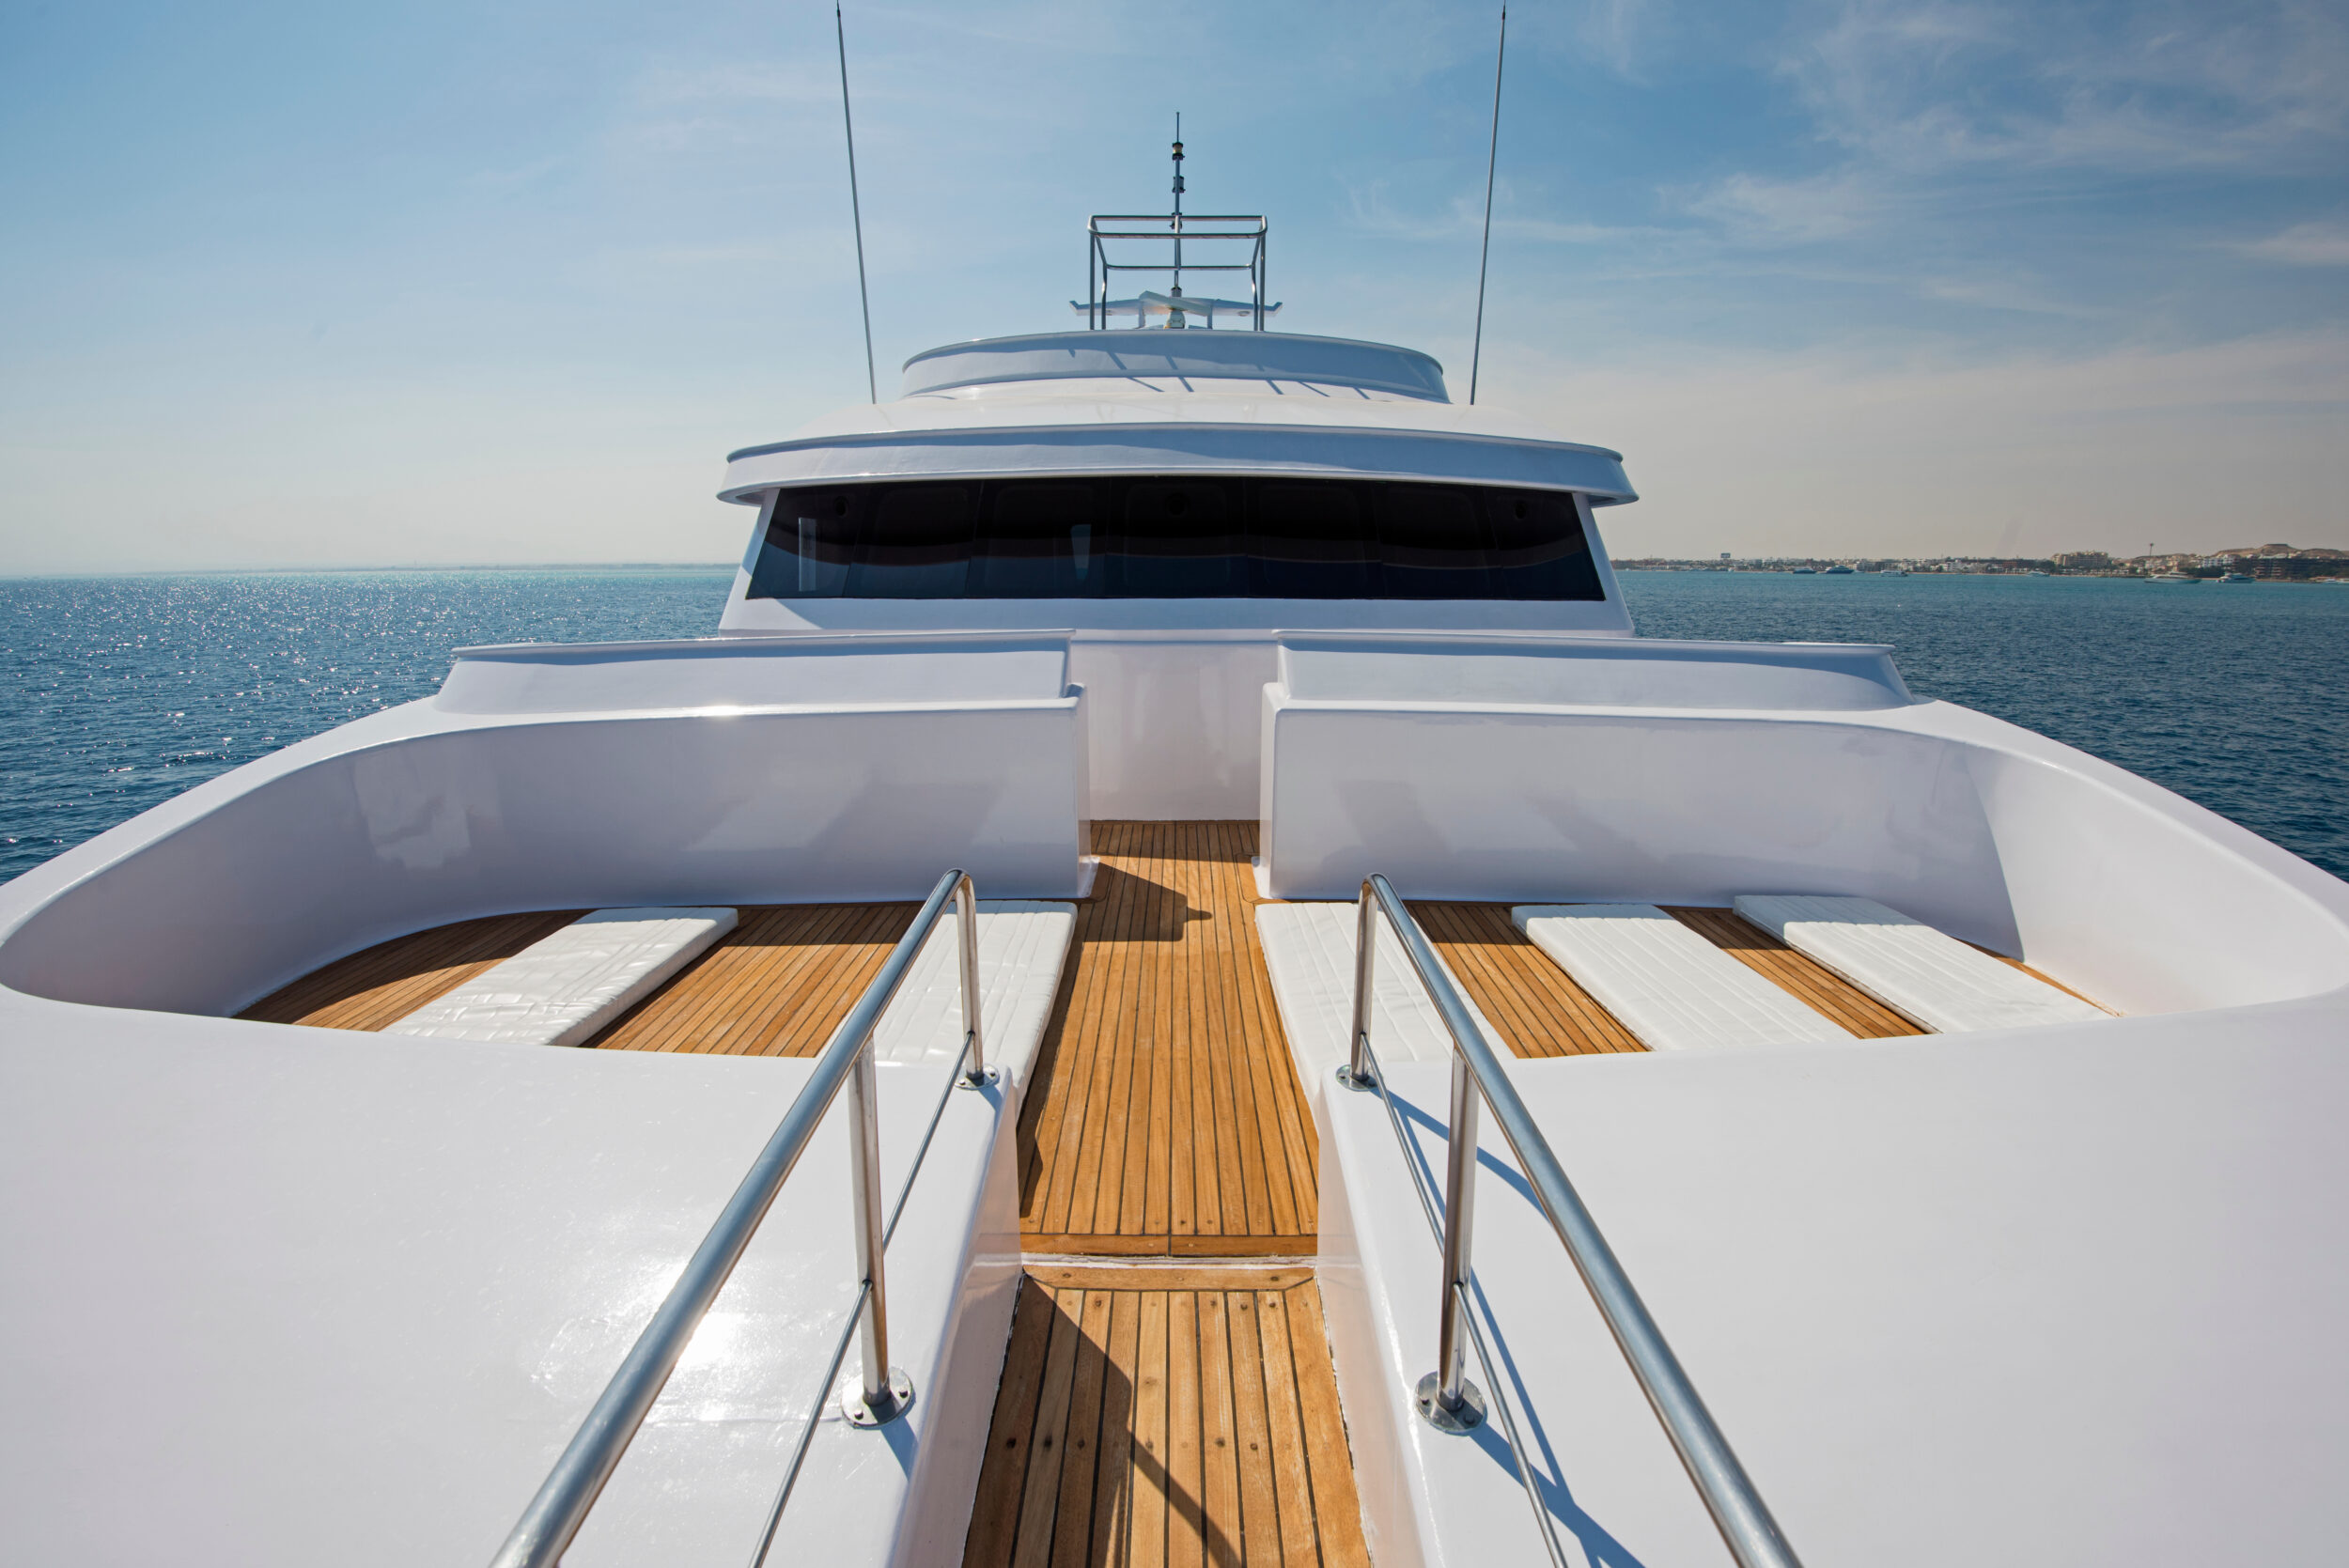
375,571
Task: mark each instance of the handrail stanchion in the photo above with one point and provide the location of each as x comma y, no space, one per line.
1357,1073
555,1515
967,917
1446,1398
885,1391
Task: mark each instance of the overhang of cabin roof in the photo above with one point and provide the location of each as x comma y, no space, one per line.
1194,355
1124,427
1039,451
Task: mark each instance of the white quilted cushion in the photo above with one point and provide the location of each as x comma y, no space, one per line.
564,988
1932,979
1669,986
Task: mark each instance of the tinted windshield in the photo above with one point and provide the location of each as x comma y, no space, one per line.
1159,537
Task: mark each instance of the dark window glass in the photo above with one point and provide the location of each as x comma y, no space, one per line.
1180,540
1166,536
1538,548
1308,541
811,540
1038,541
919,545
1432,543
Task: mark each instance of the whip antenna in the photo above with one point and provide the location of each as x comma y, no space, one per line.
872,383
1492,157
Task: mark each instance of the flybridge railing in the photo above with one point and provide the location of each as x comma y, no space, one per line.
1447,1399
1214,238
555,1516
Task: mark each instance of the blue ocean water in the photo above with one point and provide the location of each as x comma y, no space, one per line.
118,692
2235,695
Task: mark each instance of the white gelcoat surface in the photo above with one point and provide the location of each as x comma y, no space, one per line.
1181,356
1172,726
1935,981
290,1296
1213,427
2109,883
1672,989
2041,1298
1590,672
1309,952
415,817
562,989
756,673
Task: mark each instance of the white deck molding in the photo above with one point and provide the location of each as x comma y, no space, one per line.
1022,946
564,989
1308,949
1931,979
1664,983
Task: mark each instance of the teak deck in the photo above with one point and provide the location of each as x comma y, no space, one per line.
1164,1115
1161,1416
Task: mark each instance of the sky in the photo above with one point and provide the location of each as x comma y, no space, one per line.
304,286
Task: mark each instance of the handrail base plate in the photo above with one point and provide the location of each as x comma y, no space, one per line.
1470,1416
859,1413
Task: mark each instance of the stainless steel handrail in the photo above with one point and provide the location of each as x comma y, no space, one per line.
1739,1512
555,1515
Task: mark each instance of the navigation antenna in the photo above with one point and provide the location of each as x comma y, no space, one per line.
1484,257
872,382
1232,244
1177,289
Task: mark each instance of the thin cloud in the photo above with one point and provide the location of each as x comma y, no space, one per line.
1751,210
1939,84
2301,246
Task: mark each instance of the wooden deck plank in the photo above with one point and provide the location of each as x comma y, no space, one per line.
1337,1506
1040,1499
1301,1143
1149,1480
1265,1079
1072,1521
1292,1474
1251,1431
1219,1459
1196,1207
1536,1005
1079,1173
1052,1118
1185,1540
1153,1018
1113,1487
1534,1022
1223,1274
1003,1474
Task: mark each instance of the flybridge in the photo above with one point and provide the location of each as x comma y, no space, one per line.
1219,243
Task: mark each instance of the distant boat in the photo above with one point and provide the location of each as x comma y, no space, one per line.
2036,572
1893,571
1837,571
1806,571
2236,577
2173,577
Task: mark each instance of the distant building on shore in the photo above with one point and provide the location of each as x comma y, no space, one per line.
2285,563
